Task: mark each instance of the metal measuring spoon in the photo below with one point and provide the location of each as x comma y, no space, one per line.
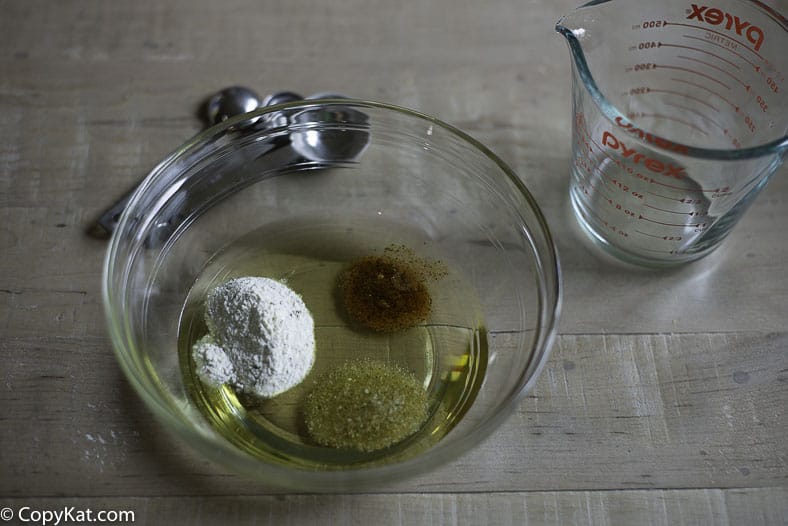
343,143
324,146
230,102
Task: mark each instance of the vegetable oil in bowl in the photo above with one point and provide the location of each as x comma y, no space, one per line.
400,347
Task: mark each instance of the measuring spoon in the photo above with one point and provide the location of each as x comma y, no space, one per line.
339,145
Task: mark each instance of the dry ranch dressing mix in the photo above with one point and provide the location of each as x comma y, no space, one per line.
261,337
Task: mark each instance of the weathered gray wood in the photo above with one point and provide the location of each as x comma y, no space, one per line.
753,507
608,412
82,171
664,399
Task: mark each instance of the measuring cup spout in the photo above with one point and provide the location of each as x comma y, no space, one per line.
578,26
573,25
588,31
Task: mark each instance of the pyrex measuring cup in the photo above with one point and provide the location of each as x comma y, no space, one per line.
680,112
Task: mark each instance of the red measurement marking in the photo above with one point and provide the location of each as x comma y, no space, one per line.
731,75
674,119
723,191
696,112
685,95
700,51
640,177
701,86
683,225
756,68
591,163
658,236
614,228
595,188
591,212
666,210
647,234
618,162
676,187
665,196
602,175
612,159
703,28
672,186
603,150
693,72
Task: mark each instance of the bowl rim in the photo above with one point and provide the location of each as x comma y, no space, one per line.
548,270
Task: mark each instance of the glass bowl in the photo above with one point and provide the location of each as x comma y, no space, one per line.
352,165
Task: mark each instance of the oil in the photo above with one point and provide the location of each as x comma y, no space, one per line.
446,353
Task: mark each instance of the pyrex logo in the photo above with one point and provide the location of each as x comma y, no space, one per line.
642,135
715,17
635,157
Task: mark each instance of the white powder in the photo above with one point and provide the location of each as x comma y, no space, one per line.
212,362
261,337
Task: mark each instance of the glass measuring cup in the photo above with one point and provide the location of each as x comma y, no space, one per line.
680,112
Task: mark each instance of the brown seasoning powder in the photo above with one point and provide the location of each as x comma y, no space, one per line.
388,293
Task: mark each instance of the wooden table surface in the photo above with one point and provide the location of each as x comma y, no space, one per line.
663,401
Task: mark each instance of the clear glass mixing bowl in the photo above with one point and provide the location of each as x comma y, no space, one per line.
343,159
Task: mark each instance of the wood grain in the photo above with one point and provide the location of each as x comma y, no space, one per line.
49,198
608,412
663,401
715,507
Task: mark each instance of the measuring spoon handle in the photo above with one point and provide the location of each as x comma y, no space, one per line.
235,100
